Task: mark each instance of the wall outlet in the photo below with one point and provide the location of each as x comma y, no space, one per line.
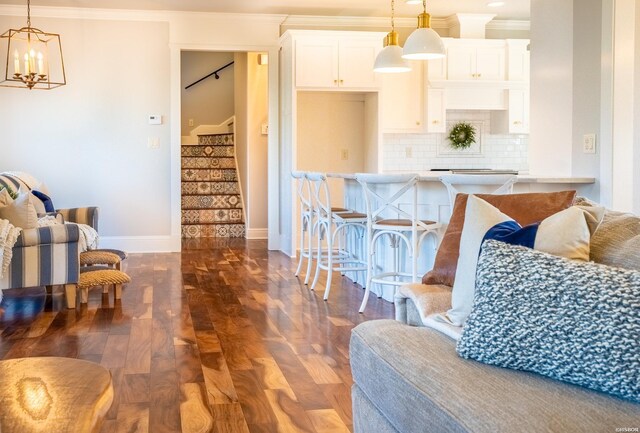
408,152
344,154
589,143
153,143
190,122
264,129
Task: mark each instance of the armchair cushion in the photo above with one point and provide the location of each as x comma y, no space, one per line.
84,215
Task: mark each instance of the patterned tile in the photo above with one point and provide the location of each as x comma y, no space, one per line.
215,151
211,202
193,188
209,216
208,162
216,140
190,231
225,175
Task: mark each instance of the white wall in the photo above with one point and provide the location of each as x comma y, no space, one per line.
88,140
551,124
258,115
210,102
241,125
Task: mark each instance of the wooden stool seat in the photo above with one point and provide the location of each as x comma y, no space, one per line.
103,256
96,257
52,394
99,277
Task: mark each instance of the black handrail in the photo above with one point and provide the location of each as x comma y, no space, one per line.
213,73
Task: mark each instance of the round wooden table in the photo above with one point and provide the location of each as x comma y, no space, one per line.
52,394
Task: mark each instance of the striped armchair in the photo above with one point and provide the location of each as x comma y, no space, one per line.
47,256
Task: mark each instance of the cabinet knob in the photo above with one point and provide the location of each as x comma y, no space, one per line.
418,122
341,81
517,122
335,81
479,75
435,122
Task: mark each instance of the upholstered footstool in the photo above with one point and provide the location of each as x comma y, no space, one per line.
101,277
109,257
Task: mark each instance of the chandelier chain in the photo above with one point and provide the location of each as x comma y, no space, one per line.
29,13
393,12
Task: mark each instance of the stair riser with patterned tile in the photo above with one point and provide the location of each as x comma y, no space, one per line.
211,201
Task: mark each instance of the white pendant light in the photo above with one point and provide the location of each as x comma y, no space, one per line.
390,58
424,43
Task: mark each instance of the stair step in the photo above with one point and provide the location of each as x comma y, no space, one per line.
213,230
194,187
208,150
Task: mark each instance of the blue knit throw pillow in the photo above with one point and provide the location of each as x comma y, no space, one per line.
573,321
45,199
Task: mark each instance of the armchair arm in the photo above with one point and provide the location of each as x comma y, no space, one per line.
82,215
44,256
57,234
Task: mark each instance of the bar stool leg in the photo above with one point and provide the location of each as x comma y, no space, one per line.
319,256
309,253
302,236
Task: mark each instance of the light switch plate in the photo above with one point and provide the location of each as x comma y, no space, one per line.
153,142
589,143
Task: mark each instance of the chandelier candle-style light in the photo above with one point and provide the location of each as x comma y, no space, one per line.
424,43
390,58
33,58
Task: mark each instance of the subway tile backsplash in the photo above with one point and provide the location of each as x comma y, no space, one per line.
427,151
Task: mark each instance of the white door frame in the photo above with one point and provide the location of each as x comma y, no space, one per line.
176,139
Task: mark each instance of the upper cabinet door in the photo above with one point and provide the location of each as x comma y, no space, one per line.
490,63
356,59
461,62
518,60
403,100
316,62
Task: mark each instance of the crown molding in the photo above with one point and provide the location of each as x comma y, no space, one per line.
129,15
377,22
287,20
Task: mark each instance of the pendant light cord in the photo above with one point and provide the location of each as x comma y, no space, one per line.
393,12
29,13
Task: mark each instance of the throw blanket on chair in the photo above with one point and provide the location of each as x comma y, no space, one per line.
8,237
88,236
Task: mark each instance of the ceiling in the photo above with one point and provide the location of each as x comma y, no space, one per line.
513,9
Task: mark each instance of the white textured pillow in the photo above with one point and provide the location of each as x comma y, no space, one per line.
21,212
565,234
5,197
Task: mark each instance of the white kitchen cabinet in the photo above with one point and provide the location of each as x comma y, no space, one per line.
336,61
519,111
515,119
403,100
436,111
476,59
518,63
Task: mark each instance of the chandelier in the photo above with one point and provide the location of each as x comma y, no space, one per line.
33,58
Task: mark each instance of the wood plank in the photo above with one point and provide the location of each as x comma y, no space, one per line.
327,421
194,413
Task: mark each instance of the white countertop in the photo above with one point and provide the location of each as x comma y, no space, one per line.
434,176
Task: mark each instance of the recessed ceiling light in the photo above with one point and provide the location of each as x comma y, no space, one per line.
495,4
413,2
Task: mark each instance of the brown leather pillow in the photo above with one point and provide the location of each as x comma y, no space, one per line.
524,208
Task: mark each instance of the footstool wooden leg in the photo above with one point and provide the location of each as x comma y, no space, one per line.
70,295
49,289
105,288
117,291
84,295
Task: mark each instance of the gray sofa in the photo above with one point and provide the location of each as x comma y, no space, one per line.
409,379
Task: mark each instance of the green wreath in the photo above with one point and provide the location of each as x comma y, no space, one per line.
462,135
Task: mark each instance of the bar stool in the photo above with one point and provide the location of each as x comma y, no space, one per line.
333,226
307,222
385,217
503,181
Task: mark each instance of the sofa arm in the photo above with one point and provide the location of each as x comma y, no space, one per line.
56,234
82,215
414,302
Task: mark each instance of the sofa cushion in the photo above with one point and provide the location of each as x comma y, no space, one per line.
617,241
523,208
569,320
414,377
566,233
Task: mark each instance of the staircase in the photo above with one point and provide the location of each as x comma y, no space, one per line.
211,201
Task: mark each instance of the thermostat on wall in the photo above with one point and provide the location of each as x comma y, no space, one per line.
155,119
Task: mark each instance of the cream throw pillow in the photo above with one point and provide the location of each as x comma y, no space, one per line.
566,234
21,212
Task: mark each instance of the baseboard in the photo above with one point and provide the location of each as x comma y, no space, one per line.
257,233
142,244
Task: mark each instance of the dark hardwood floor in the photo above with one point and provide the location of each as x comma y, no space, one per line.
221,335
